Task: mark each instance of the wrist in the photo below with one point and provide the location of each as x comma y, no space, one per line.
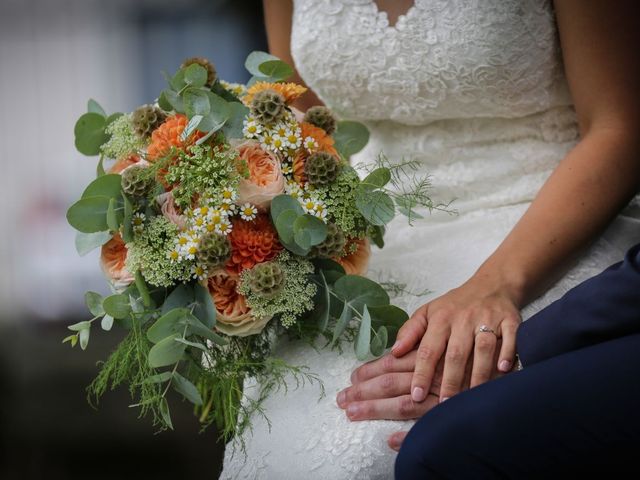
507,282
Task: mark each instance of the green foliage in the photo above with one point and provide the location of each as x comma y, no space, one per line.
376,206
294,299
297,231
89,215
267,68
202,172
123,140
87,242
350,137
90,133
148,253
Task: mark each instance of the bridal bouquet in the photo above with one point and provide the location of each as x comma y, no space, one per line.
226,219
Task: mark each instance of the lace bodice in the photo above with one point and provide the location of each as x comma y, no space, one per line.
444,59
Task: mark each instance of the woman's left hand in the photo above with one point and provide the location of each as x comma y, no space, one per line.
450,326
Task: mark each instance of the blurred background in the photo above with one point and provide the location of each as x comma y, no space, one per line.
54,56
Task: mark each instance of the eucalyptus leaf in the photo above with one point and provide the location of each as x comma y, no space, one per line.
377,178
167,324
127,220
181,297
358,291
313,226
173,99
94,107
93,301
105,186
376,206
326,264
191,127
198,345
90,133
143,289
350,137
118,306
379,342
255,59
377,235
219,113
73,339
325,306
83,335
77,327
166,352
197,328
234,125
196,102
283,202
195,75
158,378
275,70
186,388
112,118
87,242
106,323
112,218
364,335
177,82
204,310
89,215
342,323
100,167
163,101
165,414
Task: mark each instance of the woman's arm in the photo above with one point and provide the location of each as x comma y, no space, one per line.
592,183
278,15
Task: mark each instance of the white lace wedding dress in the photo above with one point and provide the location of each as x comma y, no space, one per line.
474,90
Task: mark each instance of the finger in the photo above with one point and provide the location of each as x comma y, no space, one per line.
388,385
429,352
455,361
508,350
386,364
395,440
411,332
483,358
397,408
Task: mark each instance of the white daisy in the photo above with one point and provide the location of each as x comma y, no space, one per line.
199,272
248,212
310,144
224,227
229,195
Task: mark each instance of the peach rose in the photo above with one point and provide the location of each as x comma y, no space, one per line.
112,261
265,176
170,210
356,263
233,315
124,163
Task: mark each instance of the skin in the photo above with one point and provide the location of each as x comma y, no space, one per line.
589,187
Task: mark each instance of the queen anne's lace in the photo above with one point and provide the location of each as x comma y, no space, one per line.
474,91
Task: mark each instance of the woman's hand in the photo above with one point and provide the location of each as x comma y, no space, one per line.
449,327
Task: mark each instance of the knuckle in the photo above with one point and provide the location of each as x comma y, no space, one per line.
356,394
405,406
388,382
454,354
425,354
485,343
387,363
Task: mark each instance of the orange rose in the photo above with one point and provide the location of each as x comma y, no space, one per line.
356,263
233,315
124,163
112,261
170,210
265,175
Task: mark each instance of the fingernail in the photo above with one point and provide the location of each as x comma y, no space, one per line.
395,345
505,365
353,410
395,442
341,398
443,399
417,394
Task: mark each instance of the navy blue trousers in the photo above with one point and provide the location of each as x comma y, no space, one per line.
573,410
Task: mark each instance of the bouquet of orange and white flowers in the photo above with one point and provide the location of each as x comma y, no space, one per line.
226,219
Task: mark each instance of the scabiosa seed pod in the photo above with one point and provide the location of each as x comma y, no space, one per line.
321,117
333,245
146,119
215,250
321,168
135,182
267,106
212,75
266,279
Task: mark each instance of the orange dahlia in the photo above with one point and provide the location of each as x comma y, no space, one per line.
325,144
229,303
290,91
167,135
251,243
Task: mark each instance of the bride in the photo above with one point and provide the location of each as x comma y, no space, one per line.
475,90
